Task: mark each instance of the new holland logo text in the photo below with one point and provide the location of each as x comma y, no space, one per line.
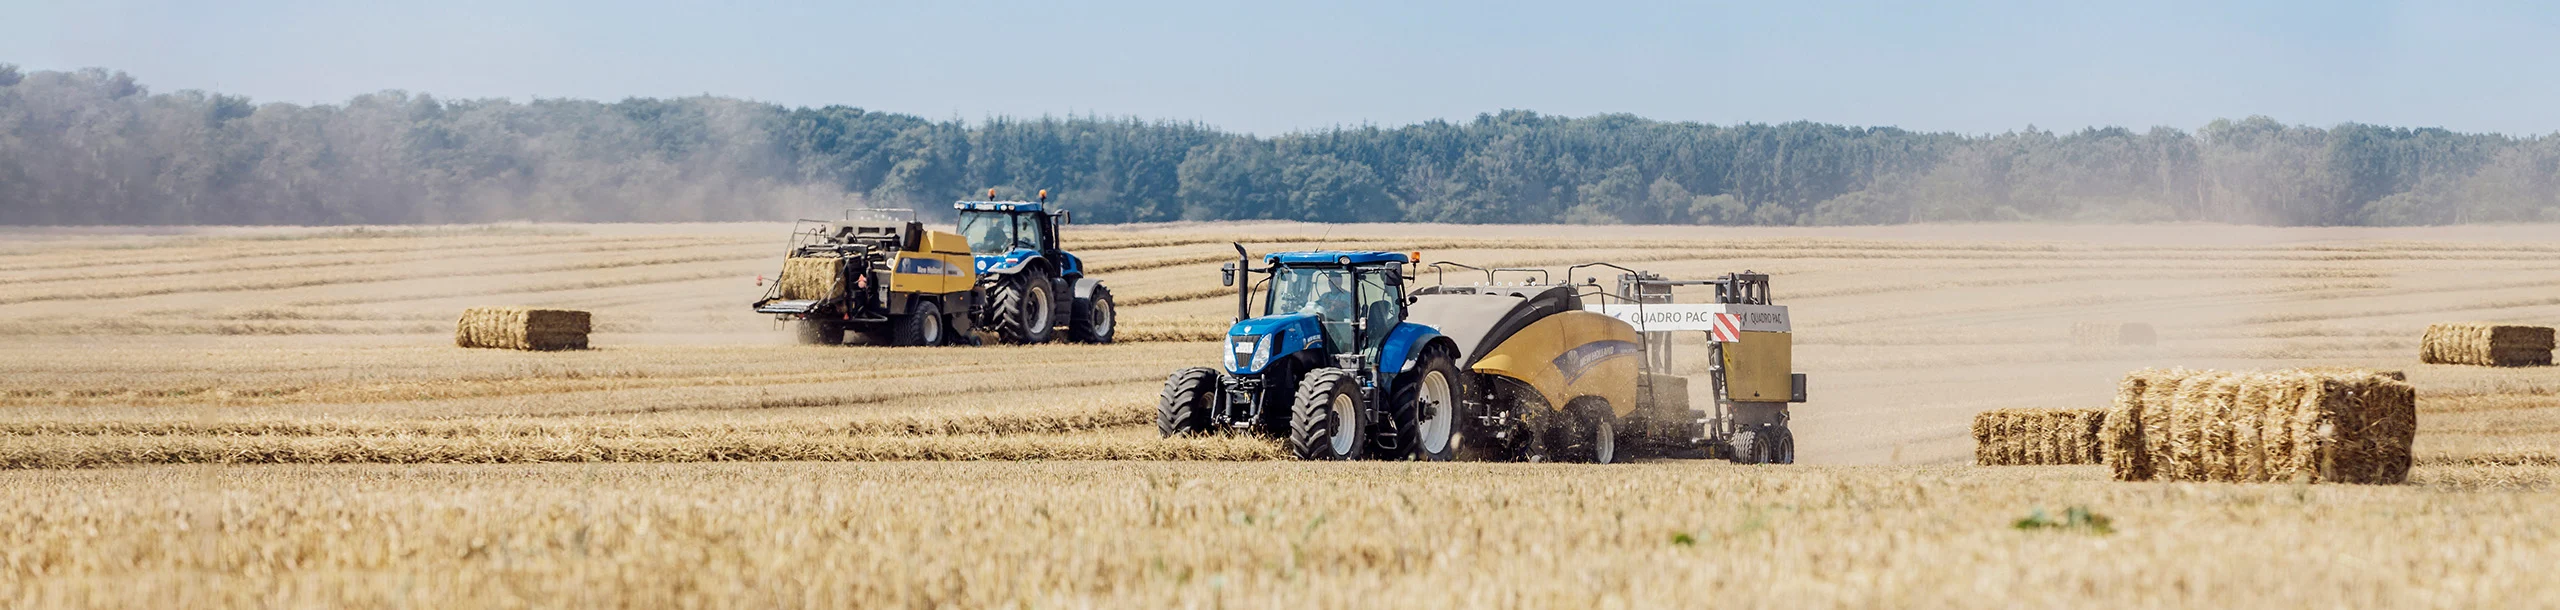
1580,360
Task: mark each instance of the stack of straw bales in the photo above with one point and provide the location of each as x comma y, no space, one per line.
2313,425
2486,345
2105,333
522,328
2008,437
810,278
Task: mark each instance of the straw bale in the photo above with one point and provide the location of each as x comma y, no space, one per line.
2376,424
2486,344
810,278
2159,395
2248,443
2036,436
523,328
2192,413
2122,437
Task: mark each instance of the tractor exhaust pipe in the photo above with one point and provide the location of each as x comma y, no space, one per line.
1237,274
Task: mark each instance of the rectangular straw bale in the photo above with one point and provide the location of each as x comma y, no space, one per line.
2121,439
2159,396
2248,446
2036,436
523,328
1984,452
2192,414
809,278
2486,344
2217,432
2375,427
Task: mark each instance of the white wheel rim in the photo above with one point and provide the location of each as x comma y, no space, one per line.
1605,448
932,333
1344,432
1435,400
1101,317
1039,301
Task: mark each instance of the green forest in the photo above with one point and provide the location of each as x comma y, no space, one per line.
95,147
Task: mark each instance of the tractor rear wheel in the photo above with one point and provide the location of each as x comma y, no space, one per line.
1022,304
1094,321
818,332
922,325
1325,420
1188,396
1425,409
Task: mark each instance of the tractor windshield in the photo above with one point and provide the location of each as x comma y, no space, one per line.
1330,292
1000,232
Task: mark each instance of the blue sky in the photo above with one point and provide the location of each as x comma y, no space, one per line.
1270,67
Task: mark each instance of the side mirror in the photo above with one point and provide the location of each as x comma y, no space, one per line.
1064,216
1227,275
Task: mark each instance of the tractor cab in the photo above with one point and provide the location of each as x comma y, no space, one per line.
1006,235
1332,306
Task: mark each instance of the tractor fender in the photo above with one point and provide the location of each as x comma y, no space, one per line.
1404,346
1085,286
1070,266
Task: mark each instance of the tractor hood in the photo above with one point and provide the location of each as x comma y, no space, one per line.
1253,344
1009,262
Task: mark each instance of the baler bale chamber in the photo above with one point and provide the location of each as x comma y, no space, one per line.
1569,371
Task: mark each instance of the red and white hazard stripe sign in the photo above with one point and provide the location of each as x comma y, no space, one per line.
1728,328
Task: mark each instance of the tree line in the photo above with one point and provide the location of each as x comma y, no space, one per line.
95,147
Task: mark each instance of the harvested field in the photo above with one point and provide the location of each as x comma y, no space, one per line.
1113,535
210,395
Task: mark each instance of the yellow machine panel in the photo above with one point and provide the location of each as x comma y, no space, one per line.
939,242
1760,367
942,267
1572,355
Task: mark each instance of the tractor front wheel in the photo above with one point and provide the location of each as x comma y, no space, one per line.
1094,321
1426,409
1325,420
1188,396
1022,304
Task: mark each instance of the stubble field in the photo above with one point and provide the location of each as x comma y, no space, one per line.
274,417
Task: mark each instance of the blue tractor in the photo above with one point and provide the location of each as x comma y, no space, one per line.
1330,364
1032,286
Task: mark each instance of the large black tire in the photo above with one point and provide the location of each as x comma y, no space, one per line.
1598,442
1095,319
922,325
1188,396
1748,448
1325,420
1782,445
1425,413
1022,304
817,332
